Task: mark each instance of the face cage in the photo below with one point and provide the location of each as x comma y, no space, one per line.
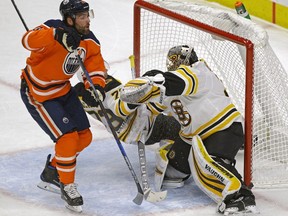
173,63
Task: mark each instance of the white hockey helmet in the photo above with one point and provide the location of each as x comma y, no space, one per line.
180,55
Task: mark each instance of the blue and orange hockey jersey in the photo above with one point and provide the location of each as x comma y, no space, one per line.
50,65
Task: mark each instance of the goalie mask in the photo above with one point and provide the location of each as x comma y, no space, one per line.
180,55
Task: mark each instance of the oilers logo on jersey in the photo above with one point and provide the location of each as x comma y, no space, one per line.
71,63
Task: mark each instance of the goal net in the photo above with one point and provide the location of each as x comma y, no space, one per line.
238,51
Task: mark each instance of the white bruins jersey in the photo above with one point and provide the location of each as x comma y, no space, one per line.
197,99
131,124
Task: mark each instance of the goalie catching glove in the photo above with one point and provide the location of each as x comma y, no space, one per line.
144,90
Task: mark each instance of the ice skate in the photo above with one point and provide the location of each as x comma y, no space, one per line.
239,206
49,178
72,197
172,183
174,178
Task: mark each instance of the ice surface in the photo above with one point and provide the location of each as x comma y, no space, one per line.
103,177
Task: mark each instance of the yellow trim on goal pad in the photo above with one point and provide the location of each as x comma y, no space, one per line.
218,177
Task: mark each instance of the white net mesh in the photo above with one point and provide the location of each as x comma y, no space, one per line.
228,60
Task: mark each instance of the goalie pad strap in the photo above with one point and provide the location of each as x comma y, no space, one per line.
211,177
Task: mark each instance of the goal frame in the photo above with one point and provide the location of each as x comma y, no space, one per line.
143,5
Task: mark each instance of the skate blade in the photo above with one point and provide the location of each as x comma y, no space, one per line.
48,187
173,183
250,210
77,209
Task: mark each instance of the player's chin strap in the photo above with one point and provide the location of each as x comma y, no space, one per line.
215,180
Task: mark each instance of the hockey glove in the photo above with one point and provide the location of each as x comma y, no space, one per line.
152,73
68,37
80,89
89,98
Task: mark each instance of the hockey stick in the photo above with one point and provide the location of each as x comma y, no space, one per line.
41,185
19,14
149,195
132,65
140,196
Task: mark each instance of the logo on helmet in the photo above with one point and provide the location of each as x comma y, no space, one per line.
180,55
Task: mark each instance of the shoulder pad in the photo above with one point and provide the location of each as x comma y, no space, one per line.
55,23
111,83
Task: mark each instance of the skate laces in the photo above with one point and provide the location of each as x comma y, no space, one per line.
71,190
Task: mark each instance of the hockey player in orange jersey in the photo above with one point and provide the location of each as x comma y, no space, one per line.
47,93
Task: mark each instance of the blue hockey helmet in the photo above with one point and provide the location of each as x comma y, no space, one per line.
69,8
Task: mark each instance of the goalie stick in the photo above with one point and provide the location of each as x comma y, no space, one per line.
149,195
140,195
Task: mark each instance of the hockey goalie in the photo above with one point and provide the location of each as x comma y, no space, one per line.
211,128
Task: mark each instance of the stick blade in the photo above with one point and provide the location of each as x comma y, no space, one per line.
152,196
138,199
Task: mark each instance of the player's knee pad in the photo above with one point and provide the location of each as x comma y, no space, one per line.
210,176
66,145
65,155
85,138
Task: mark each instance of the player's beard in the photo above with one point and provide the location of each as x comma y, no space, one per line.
83,30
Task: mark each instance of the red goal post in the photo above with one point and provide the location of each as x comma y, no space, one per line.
236,49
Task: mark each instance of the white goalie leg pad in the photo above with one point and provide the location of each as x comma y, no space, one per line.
143,90
212,178
161,166
165,175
